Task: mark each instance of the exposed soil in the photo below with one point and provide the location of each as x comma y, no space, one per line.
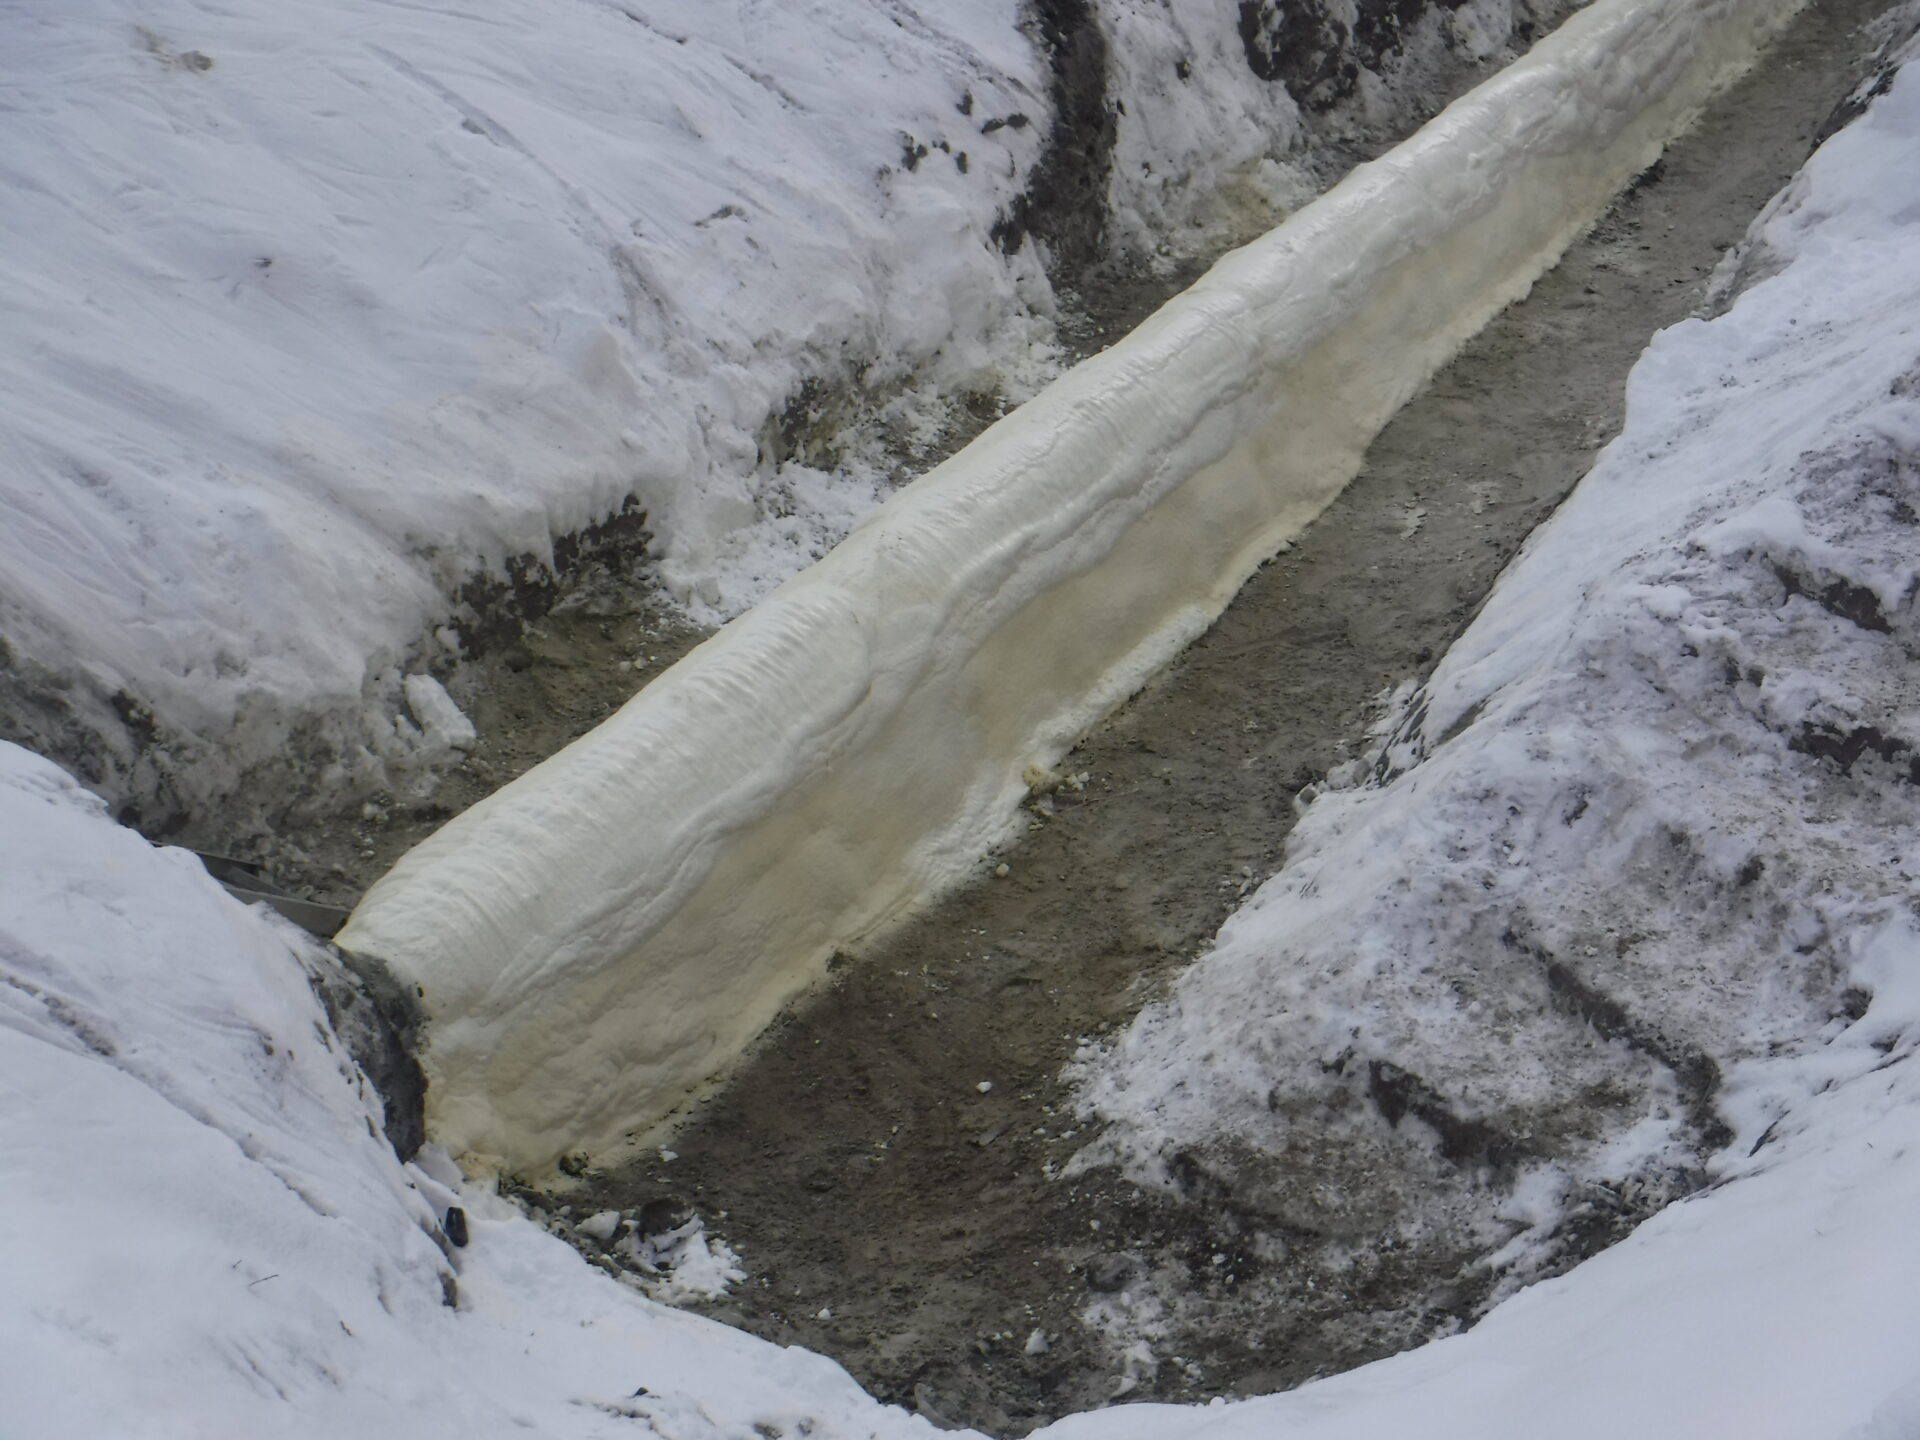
900,1215
535,687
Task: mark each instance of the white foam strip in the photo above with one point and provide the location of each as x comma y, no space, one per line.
606,934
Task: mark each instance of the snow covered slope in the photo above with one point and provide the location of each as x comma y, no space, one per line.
1780,1305
1633,878
608,932
317,313
202,1235
318,309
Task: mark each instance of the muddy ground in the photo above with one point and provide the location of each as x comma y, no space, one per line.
900,1216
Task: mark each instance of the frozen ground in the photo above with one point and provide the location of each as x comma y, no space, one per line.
333,325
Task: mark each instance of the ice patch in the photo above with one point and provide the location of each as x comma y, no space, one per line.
445,725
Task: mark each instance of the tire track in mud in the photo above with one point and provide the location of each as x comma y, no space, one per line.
882,1160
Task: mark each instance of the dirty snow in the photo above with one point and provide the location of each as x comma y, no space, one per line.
1623,899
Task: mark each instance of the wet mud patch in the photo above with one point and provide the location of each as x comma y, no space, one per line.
895,1163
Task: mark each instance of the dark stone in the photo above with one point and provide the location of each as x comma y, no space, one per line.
658,1217
456,1227
379,1019
1846,748
1319,57
1065,203
1110,1274
1839,597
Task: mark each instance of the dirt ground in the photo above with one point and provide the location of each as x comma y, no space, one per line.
895,1212
528,696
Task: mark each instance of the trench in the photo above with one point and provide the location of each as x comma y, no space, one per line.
885,1159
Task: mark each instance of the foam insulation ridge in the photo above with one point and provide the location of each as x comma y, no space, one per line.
604,935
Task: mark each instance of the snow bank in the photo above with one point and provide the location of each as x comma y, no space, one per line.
1633,879
318,309
322,316
1781,1305
1233,115
608,932
202,1234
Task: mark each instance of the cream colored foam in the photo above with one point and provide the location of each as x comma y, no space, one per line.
607,933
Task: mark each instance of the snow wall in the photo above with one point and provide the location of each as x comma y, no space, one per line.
605,935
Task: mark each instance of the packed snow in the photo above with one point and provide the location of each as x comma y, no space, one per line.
605,935
202,1232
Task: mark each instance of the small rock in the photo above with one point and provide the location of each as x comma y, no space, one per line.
1109,1274
925,1407
657,1217
456,1227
